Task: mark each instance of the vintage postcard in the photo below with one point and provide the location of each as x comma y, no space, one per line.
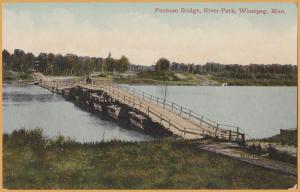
196,95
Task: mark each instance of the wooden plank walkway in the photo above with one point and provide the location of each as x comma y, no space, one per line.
177,119
228,149
172,121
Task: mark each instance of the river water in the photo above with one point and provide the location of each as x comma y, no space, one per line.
31,107
259,111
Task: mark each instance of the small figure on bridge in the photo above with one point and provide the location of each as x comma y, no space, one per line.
259,148
88,80
254,147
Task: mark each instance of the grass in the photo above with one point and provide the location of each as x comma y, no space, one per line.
157,78
33,162
289,138
9,76
263,80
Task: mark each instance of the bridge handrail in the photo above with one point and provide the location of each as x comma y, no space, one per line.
181,110
220,133
162,118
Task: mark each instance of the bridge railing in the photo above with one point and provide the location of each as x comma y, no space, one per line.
185,112
161,118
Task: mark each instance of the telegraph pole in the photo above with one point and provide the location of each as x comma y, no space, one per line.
166,81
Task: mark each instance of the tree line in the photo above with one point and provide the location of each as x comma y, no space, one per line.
58,64
71,64
217,68
164,64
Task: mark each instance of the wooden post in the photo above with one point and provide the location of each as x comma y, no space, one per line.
201,120
184,133
229,135
190,114
180,110
243,139
148,110
164,103
217,129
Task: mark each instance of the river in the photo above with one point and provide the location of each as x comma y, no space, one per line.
259,111
31,107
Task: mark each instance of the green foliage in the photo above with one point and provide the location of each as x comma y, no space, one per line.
160,75
267,80
58,64
33,162
289,138
162,64
8,75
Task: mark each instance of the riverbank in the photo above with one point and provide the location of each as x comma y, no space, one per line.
267,80
160,78
32,161
280,147
17,76
287,137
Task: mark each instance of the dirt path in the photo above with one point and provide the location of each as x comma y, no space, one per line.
232,150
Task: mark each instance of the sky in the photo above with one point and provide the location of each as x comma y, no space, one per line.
143,35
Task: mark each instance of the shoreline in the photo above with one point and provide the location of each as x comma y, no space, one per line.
63,163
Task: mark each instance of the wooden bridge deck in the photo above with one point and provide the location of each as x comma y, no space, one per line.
171,116
174,122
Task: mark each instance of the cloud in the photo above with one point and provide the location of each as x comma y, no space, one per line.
144,38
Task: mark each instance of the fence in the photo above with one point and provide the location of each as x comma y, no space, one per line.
220,130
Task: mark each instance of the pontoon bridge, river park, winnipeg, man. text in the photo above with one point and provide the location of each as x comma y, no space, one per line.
220,11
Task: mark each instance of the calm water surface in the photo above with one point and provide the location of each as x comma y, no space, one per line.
31,106
259,111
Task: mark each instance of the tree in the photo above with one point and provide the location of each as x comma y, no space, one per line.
41,62
6,59
27,64
110,64
60,64
162,64
71,60
49,69
122,64
17,59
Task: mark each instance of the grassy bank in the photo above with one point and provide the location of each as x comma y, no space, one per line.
158,78
288,138
258,80
17,76
31,161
